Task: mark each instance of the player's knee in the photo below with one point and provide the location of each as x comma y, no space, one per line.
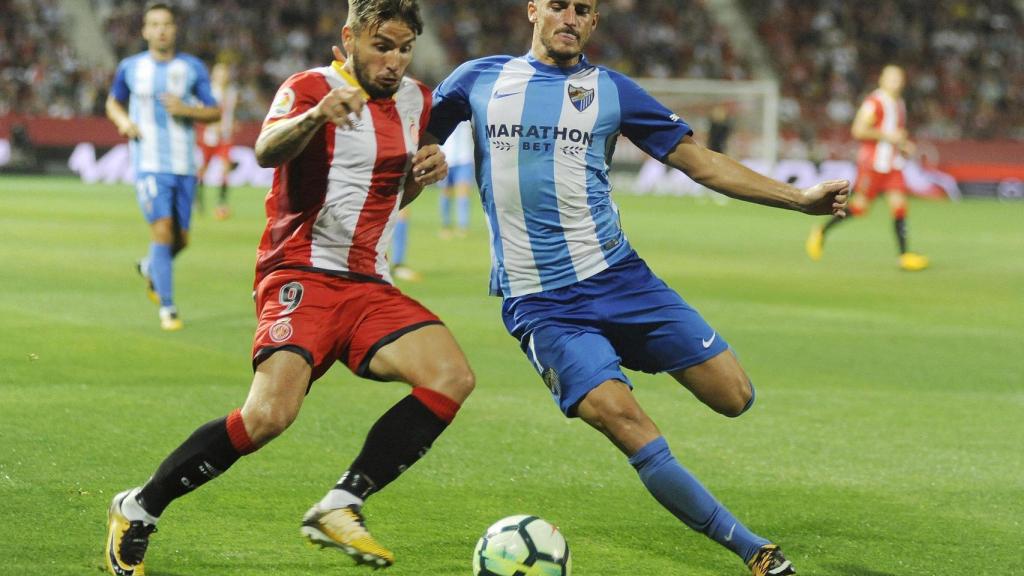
619,419
266,423
456,381
739,399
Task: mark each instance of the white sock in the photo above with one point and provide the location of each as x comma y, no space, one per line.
133,511
337,498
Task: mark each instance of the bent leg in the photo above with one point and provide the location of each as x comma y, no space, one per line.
720,383
428,357
429,360
216,445
898,208
612,409
161,251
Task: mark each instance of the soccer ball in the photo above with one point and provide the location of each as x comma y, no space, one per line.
520,545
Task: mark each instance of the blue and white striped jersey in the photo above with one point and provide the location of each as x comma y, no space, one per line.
167,144
544,138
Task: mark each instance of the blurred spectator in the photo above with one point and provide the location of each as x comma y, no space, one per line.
39,72
654,38
965,60
264,42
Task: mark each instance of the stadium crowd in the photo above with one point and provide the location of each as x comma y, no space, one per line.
40,74
965,60
264,43
678,39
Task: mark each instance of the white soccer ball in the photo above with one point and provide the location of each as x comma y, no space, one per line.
522,545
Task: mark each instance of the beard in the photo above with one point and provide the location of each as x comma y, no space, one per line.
373,89
560,54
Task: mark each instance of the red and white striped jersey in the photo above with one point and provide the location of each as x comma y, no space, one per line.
333,207
222,131
890,115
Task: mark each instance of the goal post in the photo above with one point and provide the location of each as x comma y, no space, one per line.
751,106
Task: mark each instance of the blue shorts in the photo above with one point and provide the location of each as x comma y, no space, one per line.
166,196
458,174
581,335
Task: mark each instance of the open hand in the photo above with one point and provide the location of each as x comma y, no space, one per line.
828,197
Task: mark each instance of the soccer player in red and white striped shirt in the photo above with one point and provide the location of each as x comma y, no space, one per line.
345,142
881,127
215,140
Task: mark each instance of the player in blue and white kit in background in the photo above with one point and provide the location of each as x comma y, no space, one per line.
458,150
165,92
577,297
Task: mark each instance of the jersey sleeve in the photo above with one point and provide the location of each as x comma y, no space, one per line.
298,94
646,122
451,101
870,106
119,90
201,89
427,109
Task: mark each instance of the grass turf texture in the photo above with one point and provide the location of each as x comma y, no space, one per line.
886,438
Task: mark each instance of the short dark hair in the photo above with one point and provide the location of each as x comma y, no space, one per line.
362,13
160,6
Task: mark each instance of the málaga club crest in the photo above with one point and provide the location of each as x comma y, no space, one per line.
580,97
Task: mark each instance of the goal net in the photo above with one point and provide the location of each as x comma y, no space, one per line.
749,109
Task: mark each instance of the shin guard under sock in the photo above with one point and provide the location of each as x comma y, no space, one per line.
397,440
206,454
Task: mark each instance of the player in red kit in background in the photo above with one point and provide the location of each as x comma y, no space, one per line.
215,139
344,141
881,127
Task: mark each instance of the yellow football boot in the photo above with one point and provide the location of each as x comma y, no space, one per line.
345,529
769,561
169,320
815,243
126,541
142,267
913,262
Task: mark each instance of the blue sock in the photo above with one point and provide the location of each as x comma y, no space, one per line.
462,212
398,242
682,495
160,272
446,211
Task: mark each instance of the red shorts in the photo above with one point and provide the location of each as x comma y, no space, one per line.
326,318
871,183
221,150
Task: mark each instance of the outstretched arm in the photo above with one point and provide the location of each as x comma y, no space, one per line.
727,176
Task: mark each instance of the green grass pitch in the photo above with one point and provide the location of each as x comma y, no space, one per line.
888,436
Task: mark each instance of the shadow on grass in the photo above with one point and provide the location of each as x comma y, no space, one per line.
853,570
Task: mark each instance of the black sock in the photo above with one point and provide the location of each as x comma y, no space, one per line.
397,440
223,200
901,233
206,454
831,222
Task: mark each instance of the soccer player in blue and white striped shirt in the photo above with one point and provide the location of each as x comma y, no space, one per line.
165,92
576,295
